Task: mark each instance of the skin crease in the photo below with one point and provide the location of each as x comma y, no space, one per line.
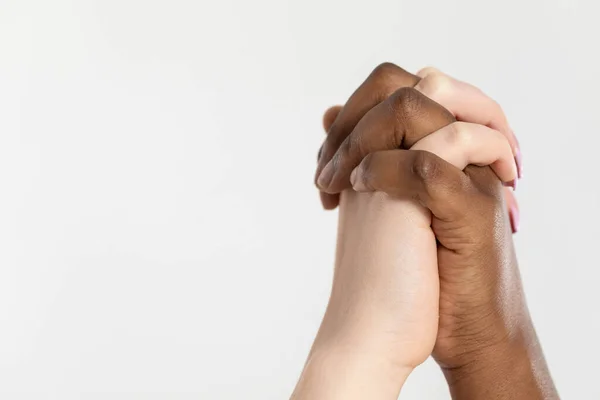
384,299
466,102
485,344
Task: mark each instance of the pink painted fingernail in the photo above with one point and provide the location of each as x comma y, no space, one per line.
519,162
512,184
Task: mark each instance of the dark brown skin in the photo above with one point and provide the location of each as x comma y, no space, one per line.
486,343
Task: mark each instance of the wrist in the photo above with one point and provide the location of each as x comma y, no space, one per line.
513,368
344,371
476,322
372,328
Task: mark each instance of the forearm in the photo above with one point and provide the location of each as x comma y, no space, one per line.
513,369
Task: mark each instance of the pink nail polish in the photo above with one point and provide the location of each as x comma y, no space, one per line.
519,162
512,184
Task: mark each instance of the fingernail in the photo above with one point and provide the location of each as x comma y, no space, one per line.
512,184
519,162
325,176
514,219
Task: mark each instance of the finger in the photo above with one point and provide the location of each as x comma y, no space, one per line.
330,116
467,103
329,201
463,143
381,83
417,175
513,209
328,119
400,121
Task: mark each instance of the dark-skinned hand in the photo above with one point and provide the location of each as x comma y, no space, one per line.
486,343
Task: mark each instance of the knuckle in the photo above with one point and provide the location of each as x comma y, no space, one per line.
423,72
385,70
405,101
426,167
387,77
436,85
459,135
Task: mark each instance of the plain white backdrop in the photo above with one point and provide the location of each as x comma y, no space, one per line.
160,236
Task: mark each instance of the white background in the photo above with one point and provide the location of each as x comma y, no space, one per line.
160,236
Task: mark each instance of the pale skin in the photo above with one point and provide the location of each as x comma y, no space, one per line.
383,318
385,291
468,103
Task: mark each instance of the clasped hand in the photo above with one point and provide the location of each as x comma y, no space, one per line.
423,169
